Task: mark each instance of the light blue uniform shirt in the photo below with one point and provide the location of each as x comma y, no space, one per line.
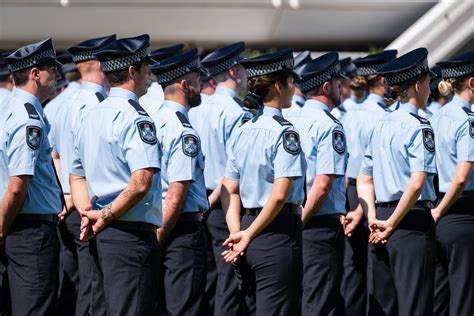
113,140
358,125
262,150
375,104
182,158
53,107
62,127
401,143
296,103
26,151
154,97
324,146
4,93
425,113
434,107
454,134
215,121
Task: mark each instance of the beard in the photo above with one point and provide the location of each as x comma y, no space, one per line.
194,98
336,99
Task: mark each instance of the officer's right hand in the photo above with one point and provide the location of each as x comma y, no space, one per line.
237,243
96,222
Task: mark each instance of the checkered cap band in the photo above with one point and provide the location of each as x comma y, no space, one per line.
32,60
226,64
408,74
369,69
260,70
126,61
319,79
178,72
84,56
457,71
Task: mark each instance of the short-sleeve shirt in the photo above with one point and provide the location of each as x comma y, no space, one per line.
324,146
215,120
26,151
264,149
153,98
296,104
375,104
182,155
401,143
54,106
116,138
454,134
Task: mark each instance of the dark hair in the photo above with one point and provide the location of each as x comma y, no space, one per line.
363,83
259,87
21,76
4,77
120,77
398,91
73,76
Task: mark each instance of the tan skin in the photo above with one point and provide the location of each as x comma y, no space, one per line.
140,181
279,97
42,84
417,95
177,191
463,168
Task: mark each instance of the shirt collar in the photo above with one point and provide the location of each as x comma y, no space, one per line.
28,98
123,93
458,101
375,98
93,87
315,104
175,107
298,99
269,111
73,85
225,91
408,107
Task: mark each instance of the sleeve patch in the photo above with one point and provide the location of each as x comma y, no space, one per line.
339,142
33,136
147,132
291,142
190,145
471,128
428,139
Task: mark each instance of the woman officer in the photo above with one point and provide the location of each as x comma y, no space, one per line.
265,170
454,134
395,188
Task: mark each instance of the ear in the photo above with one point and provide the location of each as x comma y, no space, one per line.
183,85
470,83
232,72
417,86
131,71
35,73
326,88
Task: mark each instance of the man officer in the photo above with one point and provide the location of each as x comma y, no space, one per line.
117,160
31,196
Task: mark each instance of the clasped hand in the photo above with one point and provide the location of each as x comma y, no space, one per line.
236,243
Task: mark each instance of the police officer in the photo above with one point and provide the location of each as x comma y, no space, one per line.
367,78
6,80
184,193
454,134
77,264
396,189
436,100
298,98
154,96
73,79
116,162
208,85
265,169
324,146
29,190
348,100
215,121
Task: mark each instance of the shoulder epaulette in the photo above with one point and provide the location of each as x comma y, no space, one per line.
333,118
421,119
239,102
183,119
468,111
300,104
32,113
100,97
282,121
384,107
138,107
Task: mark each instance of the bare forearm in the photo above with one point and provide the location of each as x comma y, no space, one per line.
316,197
366,193
460,179
232,215
214,198
406,202
12,202
174,204
80,195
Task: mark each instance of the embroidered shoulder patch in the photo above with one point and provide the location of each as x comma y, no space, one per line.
428,139
147,132
339,141
190,145
291,142
471,128
33,136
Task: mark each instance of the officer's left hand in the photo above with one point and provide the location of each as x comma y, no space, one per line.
382,231
237,243
436,215
95,225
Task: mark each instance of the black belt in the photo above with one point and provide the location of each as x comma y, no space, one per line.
352,181
288,209
140,226
424,204
52,218
191,217
464,194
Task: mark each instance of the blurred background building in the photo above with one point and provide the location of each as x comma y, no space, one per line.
353,27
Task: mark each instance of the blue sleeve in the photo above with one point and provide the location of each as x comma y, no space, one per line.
140,145
289,160
367,162
421,150
184,152
465,141
331,157
24,142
